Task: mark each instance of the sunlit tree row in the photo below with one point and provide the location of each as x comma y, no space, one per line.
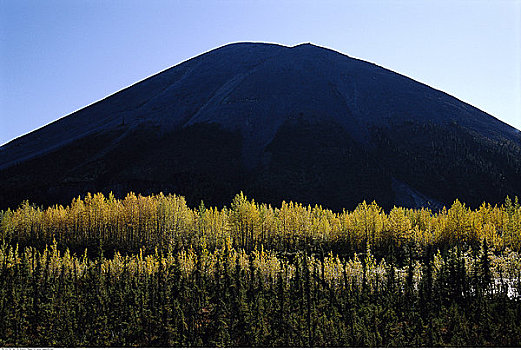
166,221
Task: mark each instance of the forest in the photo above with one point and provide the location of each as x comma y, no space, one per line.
152,271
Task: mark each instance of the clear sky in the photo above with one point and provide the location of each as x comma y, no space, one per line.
57,56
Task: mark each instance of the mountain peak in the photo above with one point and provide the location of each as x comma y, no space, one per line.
308,44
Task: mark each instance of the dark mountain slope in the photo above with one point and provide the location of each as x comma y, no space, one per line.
302,123
168,99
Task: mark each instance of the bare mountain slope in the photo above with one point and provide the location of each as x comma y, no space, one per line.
298,123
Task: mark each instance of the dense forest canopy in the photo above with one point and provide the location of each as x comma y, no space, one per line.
151,271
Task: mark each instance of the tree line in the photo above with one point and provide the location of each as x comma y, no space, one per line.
128,224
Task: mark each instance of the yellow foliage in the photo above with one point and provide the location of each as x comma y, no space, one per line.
166,222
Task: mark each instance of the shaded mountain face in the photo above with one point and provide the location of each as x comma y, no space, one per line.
299,123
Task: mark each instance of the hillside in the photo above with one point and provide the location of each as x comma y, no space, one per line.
299,123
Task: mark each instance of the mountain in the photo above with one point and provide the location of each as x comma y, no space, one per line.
300,123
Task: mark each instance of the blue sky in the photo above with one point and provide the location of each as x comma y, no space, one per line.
59,56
